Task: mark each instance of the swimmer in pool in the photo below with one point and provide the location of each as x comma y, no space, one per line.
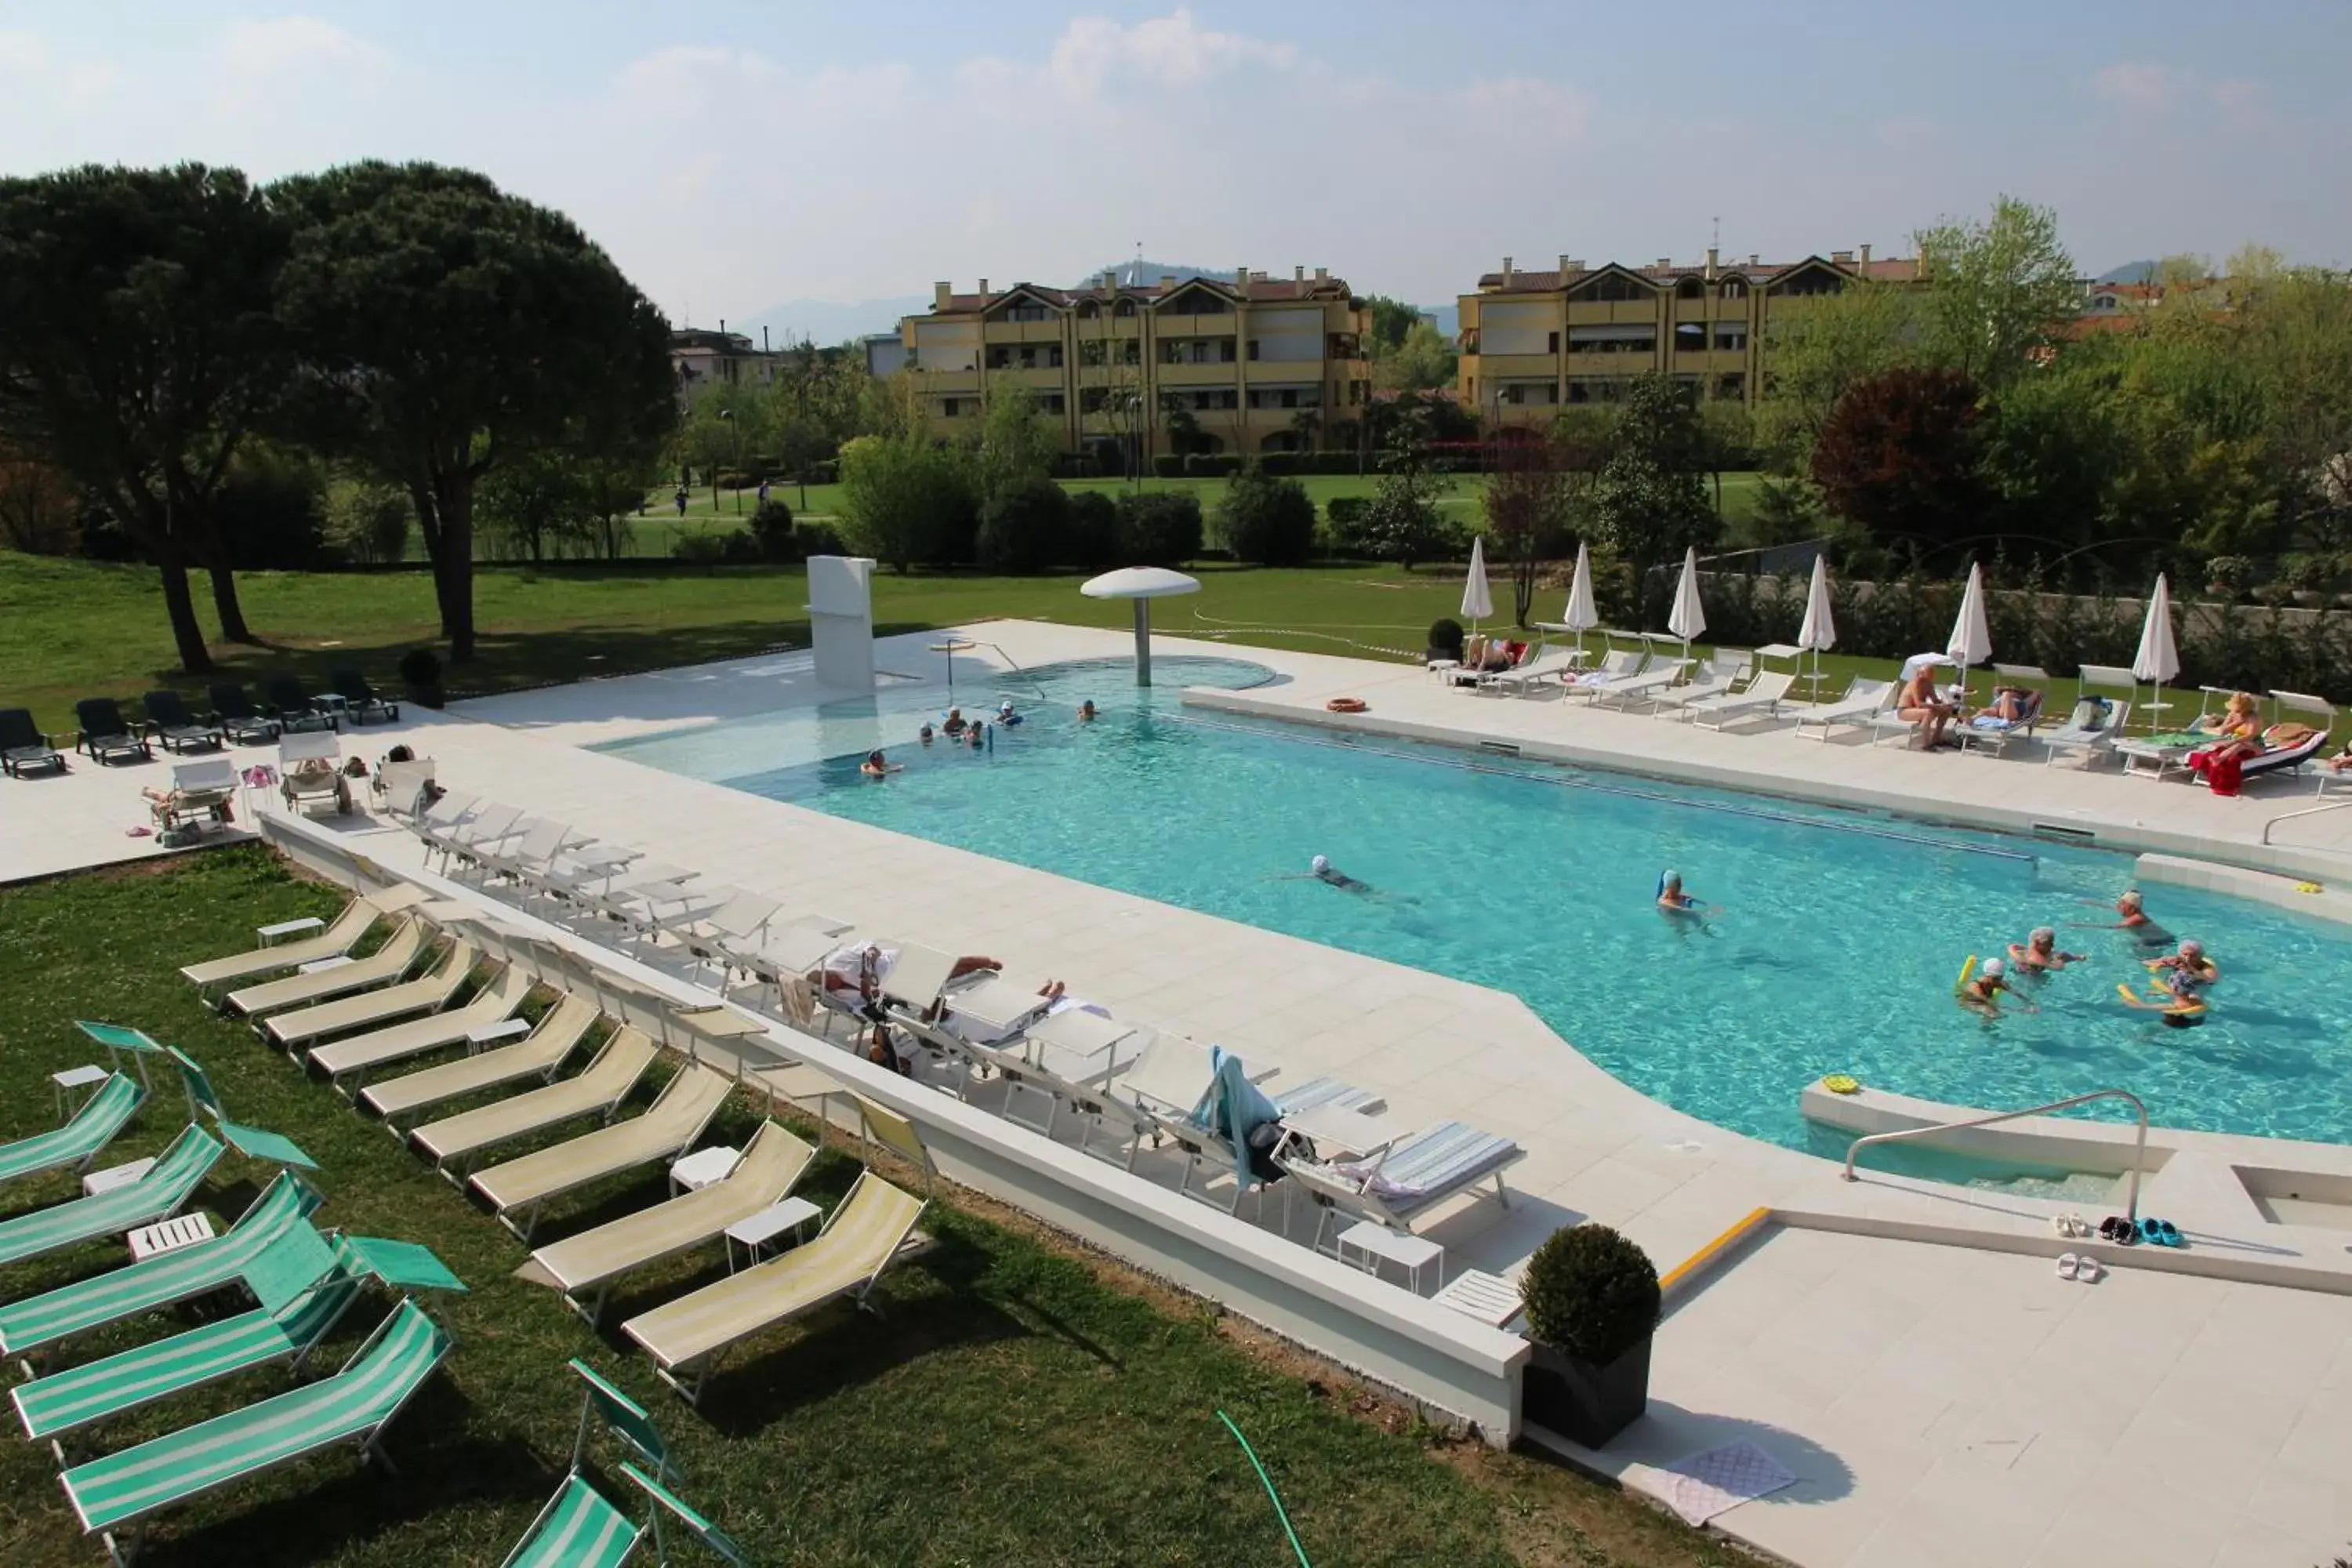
1322,870
2135,919
1005,716
924,734
1674,901
876,766
1087,713
2189,963
2039,953
954,725
1982,991
974,734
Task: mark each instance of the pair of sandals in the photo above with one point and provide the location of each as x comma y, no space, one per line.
2155,1232
2083,1270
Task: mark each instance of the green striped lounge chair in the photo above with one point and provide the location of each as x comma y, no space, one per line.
158,1195
582,1528
43,1323
67,1401
124,1490
90,1130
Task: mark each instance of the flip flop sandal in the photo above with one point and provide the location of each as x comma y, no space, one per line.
2061,1225
2171,1233
2152,1232
2068,1265
2087,1271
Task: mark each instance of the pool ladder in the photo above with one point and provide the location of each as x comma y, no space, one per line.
2139,1146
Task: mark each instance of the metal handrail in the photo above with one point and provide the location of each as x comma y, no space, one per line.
2306,811
2140,1148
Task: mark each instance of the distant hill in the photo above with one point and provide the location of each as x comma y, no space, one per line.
2129,272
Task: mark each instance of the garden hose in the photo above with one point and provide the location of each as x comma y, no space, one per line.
1268,1481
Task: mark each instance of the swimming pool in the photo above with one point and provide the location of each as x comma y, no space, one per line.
1836,953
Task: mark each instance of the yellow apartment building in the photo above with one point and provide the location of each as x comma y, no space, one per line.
1260,365
1535,342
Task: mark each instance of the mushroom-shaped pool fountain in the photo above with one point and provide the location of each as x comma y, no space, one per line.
1142,584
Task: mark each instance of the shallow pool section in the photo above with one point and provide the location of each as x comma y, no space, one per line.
1836,948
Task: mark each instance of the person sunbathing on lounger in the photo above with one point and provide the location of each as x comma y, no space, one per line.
2039,953
2239,734
2010,704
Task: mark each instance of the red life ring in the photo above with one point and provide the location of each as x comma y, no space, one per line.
1345,705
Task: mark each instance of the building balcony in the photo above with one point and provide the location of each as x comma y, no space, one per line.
934,383
1180,325
1583,314
1520,367
1045,331
1174,375
1048,378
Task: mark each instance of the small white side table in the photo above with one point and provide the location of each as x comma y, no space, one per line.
272,935
1489,1298
489,1035
72,1080
316,965
1376,1241
760,1230
169,1235
114,1176
692,1172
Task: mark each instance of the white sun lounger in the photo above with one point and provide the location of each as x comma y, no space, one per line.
1547,664
428,994
541,1054
343,1061
1762,699
1712,677
1860,706
334,943
584,1267
1616,665
1655,679
451,831
385,964
668,1128
861,1237
1411,1178
598,1091
2086,739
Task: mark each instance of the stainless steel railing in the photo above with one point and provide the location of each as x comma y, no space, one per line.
2140,1147
2306,811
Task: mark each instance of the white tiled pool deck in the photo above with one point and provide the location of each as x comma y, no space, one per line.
1894,1376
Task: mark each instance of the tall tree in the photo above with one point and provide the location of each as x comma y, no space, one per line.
448,327
1424,361
137,352
816,394
1998,291
1650,502
1899,456
1016,444
1815,348
1533,486
1392,320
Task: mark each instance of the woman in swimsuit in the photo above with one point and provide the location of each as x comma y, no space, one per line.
2039,954
1920,704
1982,991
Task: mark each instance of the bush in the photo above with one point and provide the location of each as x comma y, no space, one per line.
816,539
1090,530
1266,521
421,668
1590,1293
1025,527
1445,637
1169,466
1212,465
1158,529
703,547
905,501
772,535
369,523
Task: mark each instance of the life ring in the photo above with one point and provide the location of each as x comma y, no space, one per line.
1345,705
1842,1083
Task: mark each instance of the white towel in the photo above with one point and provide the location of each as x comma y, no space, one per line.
1708,1483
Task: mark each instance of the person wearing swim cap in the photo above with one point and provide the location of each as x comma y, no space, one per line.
2135,919
2039,953
1674,901
1005,716
2187,972
1982,991
1322,870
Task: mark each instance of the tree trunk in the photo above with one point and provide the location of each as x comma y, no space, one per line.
454,498
181,605
225,604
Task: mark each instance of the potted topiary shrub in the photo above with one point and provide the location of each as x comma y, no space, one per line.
420,671
1591,1301
1444,639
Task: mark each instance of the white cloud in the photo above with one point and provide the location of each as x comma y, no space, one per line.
297,46
2140,84
1174,50
23,54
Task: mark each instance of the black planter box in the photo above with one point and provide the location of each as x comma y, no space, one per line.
426,696
1583,1402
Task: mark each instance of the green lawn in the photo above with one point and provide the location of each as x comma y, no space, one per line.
1021,1403
71,629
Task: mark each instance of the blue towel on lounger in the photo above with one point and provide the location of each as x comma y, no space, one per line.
1232,1107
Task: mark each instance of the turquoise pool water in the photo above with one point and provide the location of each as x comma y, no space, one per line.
1840,938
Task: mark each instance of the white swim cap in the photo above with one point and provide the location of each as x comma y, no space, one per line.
1320,865
2044,933
1005,706
1670,879
2192,945
1993,969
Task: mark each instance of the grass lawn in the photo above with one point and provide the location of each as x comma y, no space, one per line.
71,629
1021,1403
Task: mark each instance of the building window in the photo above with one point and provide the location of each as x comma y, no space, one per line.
1026,313
1812,280
1614,286
1734,288
1253,348
1733,387
1052,402
1130,351
1730,337
1690,337
1090,351
1551,343
1690,288
1626,340
1124,307
949,408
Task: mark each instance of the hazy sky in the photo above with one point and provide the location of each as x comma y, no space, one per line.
732,155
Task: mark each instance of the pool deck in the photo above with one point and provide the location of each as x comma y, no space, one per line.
1806,1338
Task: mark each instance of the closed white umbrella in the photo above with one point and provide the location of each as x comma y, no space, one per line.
1820,631
1477,602
2157,660
1688,618
1971,637
1580,617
